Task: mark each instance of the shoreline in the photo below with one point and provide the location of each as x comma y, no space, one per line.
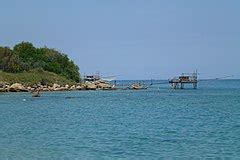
18,87
55,87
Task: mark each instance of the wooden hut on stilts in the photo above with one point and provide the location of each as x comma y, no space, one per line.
179,82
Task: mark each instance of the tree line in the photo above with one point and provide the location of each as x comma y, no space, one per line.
25,57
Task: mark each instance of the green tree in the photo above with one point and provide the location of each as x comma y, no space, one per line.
25,57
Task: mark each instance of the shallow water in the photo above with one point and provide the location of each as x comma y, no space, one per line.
147,124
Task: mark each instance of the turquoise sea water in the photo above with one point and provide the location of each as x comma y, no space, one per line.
158,123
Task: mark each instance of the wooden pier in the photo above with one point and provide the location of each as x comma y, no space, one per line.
186,78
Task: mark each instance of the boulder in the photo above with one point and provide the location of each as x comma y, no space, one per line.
45,89
79,87
17,87
57,89
50,88
55,85
104,86
91,86
2,85
73,87
83,86
66,86
4,90
60,89
29,88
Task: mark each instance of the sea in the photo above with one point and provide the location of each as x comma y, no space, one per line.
157,123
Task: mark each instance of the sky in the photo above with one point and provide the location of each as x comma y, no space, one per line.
131,39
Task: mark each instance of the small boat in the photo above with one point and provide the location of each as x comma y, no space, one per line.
136,86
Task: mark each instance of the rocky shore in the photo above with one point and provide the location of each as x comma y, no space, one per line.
17,87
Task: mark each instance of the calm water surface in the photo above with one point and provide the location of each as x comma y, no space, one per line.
158,123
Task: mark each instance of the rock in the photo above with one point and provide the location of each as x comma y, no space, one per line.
2,85
91,86
57,89
79,87
73,87
30,88
17,87
67,86
45,89
60,89
4,90
55,85
50,88
83,86
104,86
64,88
34,86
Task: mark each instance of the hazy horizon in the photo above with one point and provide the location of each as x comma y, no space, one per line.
131,39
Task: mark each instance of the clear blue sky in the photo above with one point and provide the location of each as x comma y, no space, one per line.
134,39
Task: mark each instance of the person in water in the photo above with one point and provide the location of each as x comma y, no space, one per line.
36,92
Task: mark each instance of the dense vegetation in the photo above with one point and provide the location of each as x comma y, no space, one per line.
34,76
24,57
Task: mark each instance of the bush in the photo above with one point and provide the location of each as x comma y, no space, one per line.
25,57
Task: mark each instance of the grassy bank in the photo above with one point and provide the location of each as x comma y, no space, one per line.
34,77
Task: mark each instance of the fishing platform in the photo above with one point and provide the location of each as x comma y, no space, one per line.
179,82
91,78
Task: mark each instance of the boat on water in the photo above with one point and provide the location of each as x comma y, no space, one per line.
137,86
